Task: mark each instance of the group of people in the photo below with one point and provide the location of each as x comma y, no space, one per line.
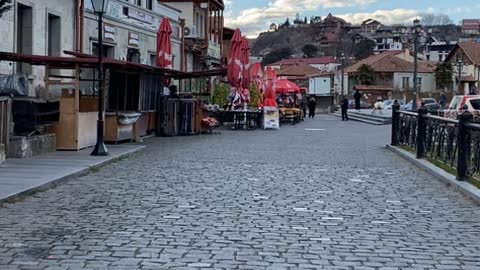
311,105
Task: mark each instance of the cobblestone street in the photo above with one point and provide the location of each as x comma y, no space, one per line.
323,194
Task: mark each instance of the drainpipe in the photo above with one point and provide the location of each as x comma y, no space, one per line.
79,26
183,58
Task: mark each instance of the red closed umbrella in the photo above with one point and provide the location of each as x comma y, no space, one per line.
245,64
256,76
285,86
269,95
164,46
234,73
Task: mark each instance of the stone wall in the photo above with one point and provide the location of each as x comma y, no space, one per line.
25,147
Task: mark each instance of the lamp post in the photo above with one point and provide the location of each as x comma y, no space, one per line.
99,7
417,28
460,65
343,73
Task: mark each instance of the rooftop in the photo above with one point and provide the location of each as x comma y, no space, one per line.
388,63
324,60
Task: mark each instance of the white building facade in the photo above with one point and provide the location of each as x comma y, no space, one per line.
41,27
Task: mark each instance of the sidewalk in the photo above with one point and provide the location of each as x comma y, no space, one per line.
20,177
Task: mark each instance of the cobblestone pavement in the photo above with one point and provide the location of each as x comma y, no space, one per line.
288,199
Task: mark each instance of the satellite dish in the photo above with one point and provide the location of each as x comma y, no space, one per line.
187,31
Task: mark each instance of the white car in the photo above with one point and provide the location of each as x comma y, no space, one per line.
387,104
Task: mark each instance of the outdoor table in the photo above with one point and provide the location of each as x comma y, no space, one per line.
241,119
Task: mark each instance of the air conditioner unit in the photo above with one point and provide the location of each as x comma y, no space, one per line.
191,32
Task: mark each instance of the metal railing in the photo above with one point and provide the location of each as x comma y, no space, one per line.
453,143
5,120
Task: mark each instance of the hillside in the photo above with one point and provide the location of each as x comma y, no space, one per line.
292,37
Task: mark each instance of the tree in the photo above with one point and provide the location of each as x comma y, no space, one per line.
220,94
5,5
364,49
365,74
430,19
277,55
287,23
306,20
443,75
315,19
309,50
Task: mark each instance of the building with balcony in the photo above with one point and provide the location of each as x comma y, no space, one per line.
130,31
203,32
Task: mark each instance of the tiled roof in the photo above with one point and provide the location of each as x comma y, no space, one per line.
471,25
311,61
387,63
300,70
472,50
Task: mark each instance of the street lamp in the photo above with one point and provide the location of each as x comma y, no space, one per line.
417,28
99,7
459,64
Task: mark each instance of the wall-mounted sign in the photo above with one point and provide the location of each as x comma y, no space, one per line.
109,32
133,39
214,50
140,16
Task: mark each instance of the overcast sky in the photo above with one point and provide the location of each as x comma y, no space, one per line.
255,16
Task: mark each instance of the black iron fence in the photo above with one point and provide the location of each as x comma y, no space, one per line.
450,142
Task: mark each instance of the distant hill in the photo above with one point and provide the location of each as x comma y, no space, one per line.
296,37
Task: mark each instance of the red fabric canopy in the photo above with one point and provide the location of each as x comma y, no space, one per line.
285,86
164,46
245,64
269,94
234,74
256,75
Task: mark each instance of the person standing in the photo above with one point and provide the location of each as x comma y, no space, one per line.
312,106
303,106
344,106
357,96
442,100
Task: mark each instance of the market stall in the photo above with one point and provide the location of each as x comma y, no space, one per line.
287,98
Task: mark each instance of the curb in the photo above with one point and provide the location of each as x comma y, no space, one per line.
55,182
450,180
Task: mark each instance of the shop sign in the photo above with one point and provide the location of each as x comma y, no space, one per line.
213,50
271,118
109,32
140,16
133,39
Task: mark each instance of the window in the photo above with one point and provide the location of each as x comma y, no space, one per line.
406,83
138,2
53,35
108,51
153,59
475,104
24,35
150,4
419,83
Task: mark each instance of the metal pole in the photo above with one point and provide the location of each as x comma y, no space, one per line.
100,148
415,66
343,77
459,77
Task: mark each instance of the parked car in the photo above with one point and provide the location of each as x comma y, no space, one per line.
430,103
458,103
363,104
387,104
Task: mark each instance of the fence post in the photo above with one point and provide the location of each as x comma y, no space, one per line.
421,131
463,145
395,122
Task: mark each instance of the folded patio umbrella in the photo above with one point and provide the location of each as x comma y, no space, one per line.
164,46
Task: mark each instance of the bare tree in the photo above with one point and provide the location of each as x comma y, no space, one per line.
443,19
5,5
428,19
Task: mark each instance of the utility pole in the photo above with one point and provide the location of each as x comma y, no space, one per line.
417,28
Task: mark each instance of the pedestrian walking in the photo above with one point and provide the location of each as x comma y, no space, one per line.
344,106
312,106
357,96
303,107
